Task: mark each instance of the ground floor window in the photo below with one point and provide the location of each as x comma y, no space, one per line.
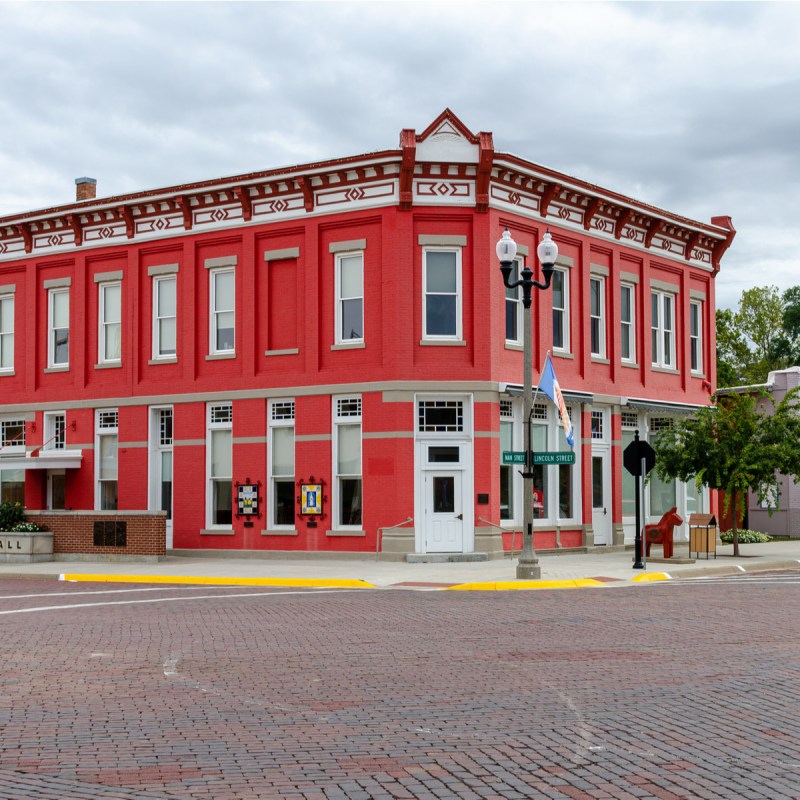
347,461
220,464
554,486
107,459
12,486
281,507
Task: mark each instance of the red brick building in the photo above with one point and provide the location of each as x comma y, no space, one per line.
339,334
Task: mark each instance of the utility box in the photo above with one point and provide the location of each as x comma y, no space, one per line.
702,534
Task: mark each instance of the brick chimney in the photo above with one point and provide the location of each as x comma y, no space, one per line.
85,189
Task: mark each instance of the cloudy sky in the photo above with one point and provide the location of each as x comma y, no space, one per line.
693,107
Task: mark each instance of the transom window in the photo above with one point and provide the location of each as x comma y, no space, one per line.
441,416
107,419
282,410
597,424
630,419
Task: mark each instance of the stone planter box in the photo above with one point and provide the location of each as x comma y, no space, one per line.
25,548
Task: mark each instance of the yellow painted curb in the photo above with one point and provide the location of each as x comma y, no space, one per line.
501,586
651,576
334,583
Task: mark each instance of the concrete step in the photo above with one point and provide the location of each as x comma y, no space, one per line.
444,558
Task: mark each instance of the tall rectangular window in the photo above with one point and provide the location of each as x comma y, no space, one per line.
560,295
506,470
627,344
110,316
161,438
6,333
663,329
597,316
165,297
441,281
222,322
696,335
349,297
347,461
514,306
220,465
58,328
55,430
107,436
280,505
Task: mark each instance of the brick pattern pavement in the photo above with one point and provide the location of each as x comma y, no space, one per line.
636,692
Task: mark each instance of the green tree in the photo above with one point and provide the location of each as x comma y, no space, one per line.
737,445
752,341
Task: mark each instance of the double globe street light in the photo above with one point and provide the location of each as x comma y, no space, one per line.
528,565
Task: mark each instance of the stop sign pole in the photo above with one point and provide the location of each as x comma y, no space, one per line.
638,458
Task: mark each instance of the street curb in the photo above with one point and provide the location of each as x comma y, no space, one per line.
205,580
502,586
722,570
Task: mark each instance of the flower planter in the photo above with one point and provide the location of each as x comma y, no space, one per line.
26,548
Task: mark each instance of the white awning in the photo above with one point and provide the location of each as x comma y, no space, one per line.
43,459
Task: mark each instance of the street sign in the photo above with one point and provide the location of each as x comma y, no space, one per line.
513,456
633,454
554,458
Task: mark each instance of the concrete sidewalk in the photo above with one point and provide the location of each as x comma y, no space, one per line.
597,567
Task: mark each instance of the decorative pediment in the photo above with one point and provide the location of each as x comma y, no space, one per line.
447,139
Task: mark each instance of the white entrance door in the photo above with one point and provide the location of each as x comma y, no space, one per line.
601,495
444,514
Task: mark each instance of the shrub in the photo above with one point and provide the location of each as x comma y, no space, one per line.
11,514
745,537
27,527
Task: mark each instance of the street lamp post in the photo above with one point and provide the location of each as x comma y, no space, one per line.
528,565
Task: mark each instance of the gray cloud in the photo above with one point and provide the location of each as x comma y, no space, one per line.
689,106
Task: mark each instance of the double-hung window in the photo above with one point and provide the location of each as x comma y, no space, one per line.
110,318
560,296
165,316
222,322
696,335
597,316
627,311
514,306
347,461
441,281
58,327
107,435
6,333
280,505
220,465
663,329
349,297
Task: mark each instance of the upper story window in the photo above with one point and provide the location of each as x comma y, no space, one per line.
165,295
514,305
110,316
441,281
627,311
597,313
696,335
349,297
55,431
58,327
6,332
12,433
560,295
222,322
663,329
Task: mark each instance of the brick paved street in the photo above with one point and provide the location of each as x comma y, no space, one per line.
207,693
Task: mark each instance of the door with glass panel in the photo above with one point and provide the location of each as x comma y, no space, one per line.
444,513
601,495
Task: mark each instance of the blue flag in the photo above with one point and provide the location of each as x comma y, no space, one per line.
548,383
